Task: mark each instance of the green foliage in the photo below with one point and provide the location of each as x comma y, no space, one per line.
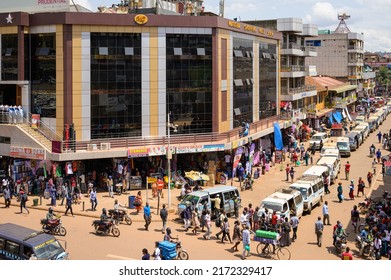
384,76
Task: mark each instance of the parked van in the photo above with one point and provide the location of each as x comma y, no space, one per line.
364,128
335,152
227,195
334,165
372,124
359,120
284,202
360,135
380,115
21,243
316,138
320,171
312,190
353,140
343,145
375,122
328,145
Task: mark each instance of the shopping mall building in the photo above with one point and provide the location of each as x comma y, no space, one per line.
102,86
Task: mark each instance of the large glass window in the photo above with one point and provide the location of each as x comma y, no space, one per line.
243,81
9,57
267,80
189,81
43,74
115,85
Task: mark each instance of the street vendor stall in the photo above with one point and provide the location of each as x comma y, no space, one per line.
194,177
336,130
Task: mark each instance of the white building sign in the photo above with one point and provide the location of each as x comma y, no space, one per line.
34,6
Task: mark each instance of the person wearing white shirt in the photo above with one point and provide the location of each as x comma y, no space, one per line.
244,219
156,252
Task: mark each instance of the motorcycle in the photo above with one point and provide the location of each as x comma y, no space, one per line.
53,227
363,207
120,215
368,250
106,227
247,184
371,152
341,243
181,254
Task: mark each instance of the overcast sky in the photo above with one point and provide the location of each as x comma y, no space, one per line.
371,17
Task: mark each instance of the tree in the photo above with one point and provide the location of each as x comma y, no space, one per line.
383,77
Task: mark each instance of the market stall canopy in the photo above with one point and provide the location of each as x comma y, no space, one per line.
196,176
338,117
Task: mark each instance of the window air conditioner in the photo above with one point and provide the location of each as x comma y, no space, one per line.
105,146
91,147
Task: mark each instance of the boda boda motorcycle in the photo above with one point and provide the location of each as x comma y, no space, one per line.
106,227
53,227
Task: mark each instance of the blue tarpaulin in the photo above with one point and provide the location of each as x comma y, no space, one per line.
337,116
331,118
278,137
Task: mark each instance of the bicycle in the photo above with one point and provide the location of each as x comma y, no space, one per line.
266,249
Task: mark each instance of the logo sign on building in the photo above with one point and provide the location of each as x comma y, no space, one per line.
28,153
141,19
34,6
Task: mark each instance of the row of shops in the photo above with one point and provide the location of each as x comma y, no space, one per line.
216,161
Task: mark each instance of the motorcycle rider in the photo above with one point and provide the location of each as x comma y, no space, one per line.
366,239
372,150
50,218
118,206
168,237
104,219
338,233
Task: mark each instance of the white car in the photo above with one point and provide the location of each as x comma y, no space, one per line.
316,138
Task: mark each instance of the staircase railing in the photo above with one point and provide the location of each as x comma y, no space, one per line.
44,129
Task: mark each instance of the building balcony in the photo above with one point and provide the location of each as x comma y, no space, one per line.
292,49
292,94
356,62
355,49
292,71
357,76
310,51
339,102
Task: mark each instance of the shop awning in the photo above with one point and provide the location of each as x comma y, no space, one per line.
331,118
344,88
337,116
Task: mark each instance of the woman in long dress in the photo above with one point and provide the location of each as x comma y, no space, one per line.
236,236
195,220
138,202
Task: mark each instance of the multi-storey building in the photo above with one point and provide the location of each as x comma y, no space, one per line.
104,85
295,93
340,53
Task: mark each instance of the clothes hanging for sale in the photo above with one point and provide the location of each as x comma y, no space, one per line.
58,171
68,168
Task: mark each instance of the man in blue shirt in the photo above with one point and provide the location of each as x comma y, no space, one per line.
147,215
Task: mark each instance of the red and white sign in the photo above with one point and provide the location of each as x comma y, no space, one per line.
28,153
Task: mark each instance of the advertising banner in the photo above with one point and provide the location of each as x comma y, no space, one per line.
142,152
237,157
34,6
29,153
35,120
189,149
213,148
